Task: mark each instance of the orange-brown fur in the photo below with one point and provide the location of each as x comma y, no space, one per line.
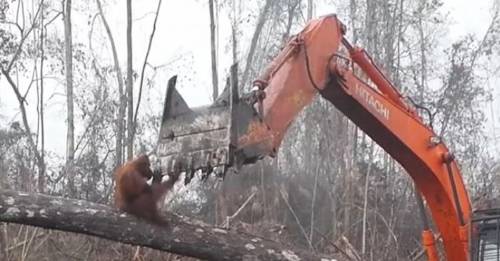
134,195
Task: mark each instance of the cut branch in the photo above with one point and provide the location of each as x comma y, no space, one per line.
181,236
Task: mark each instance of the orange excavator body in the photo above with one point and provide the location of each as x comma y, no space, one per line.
312,63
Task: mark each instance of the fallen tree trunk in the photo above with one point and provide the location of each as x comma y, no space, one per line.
181,236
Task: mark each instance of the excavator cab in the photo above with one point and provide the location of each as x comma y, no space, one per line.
485,235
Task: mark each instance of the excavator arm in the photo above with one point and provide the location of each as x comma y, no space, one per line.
240,130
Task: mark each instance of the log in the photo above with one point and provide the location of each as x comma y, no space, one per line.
182,235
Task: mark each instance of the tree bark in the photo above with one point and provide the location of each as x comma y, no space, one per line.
215,80
122,102
70,135
234,43
234,29
423,60
365,202
352,17
41,165
130,84
181,236
3,243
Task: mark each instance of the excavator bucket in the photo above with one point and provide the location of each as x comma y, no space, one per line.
192,139
202,138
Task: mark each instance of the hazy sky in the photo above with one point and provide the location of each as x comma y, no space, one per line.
182,32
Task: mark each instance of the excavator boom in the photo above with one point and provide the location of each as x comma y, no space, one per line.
240,130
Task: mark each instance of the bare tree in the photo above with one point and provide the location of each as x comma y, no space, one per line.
255,38
122,101
151,36
25,30
213,46
41,174
234,29
130,84
70,136
365,202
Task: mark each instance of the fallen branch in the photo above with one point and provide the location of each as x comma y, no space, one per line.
284,196
229,218
181,236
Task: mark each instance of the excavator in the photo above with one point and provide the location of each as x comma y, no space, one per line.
237,130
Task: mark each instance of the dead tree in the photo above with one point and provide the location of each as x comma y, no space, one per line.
130,85
68,64
213,53
181,236
119,79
